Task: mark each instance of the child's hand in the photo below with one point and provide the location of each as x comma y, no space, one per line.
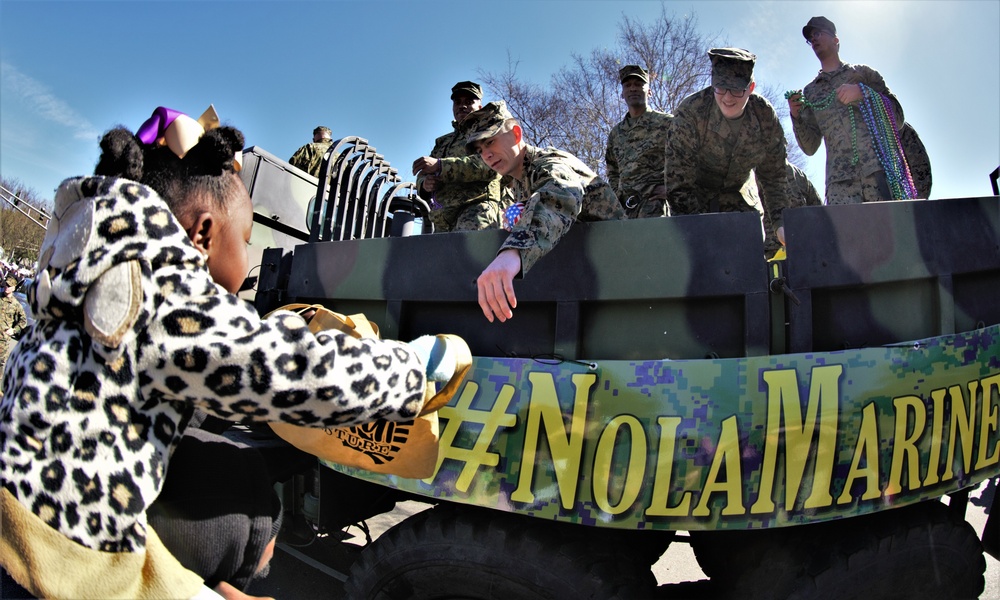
230,593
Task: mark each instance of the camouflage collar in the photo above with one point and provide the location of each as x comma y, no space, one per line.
629,121
530,153
826,74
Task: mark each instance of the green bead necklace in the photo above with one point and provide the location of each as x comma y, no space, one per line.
882,132
826,103
823,104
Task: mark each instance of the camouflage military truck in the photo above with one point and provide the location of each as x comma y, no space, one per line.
814,423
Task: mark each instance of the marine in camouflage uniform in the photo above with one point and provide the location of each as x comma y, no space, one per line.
713,144
634,156
917,160
854,173
557,189
552,188
309,158
466,193
801,192
12,321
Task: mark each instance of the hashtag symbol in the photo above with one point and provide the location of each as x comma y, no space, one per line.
490,420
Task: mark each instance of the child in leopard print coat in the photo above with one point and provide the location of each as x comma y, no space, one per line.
137,326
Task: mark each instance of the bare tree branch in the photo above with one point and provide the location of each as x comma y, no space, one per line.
583,101
20,237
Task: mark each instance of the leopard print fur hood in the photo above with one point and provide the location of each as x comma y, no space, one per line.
131,336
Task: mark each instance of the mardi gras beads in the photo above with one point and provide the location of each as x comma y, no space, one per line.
855,156
826,103
822,104
881,122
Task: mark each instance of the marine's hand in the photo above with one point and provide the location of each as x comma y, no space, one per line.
780,234
430,183
427,165
795,105
849,93
496,286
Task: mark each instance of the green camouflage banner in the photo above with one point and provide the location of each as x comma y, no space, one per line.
721,443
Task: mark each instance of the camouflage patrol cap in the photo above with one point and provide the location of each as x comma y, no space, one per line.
732,68
485,123
633,71
821,23
467,87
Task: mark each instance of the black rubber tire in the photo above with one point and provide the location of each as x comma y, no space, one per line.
923,551
768,564
919,551
724,555
451,552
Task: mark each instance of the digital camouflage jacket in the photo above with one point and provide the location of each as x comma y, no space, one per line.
836,126
707,164
634,159
309,158
11,317
917,160
557,189
468,194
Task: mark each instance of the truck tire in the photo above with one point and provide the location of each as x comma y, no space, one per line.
922,551
761,563
724,555
769,564
919,551
461,552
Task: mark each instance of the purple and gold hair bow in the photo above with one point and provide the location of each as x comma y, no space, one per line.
179,132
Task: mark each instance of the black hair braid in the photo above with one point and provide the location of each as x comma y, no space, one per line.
121,155
214,153
204,173
163,173
208,169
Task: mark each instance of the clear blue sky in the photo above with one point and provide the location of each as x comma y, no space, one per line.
383,69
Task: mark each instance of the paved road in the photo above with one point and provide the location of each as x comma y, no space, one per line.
677,572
